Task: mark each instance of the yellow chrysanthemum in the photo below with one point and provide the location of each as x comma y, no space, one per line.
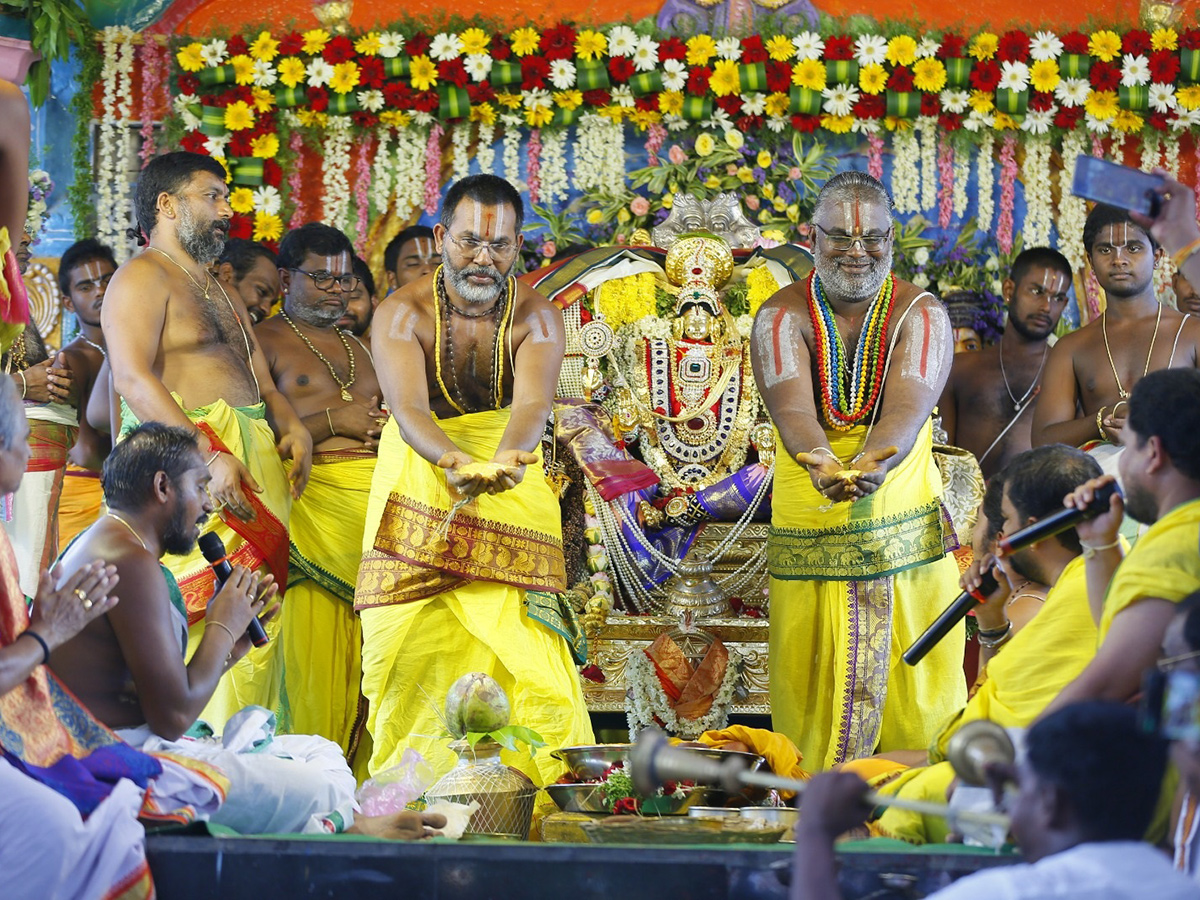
1105,45
589,44
368,44
483,112
265,146
1189,97
1164,39
614,112
346,76
644,118
982,101
809,73
984,45
525,41
267,227
1005,122
837,124
422,73
189,57
897,123
291,71
901,50
1044,75
670,103
241,200
243,68
568,99
705,145
1101,104
700,49
263,100
929,75
762,285
475,42
239,116
872,79
777,104
763,159
780,48
311,117
399,118
315,40
264,47
510,101
539,116
1128,121
724,80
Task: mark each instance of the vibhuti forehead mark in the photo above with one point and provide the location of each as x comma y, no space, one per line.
850,216
91,270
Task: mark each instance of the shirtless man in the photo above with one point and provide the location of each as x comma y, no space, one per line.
329,378
490,349
181,352
987,406
360,302
410,255
1186,298
1091,372
249,270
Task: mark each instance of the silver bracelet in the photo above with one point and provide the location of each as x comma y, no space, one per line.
992,643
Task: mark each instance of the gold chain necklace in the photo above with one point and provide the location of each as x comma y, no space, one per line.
1124,394
207,275
132,531
344,385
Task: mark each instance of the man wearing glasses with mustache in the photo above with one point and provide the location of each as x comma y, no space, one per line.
462,554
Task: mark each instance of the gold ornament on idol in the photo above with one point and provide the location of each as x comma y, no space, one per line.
344,385
1117,378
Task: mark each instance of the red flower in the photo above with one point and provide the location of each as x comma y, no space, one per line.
870,106
1075,42
558,42
1013,47
1136,41
1159,121
481,92
291,44
397,94
272,173
839,47
626,806
753,50
193,141
646,103
365,119
371,71
1068,117
731,103
241,227
453,71
1189,39
242,92
930,105
985,75
779,76
536,69
239,143
418,44
672,48
1104,76
901,79
188,83
501,49
1040,101
620,68
597,97
953,46
237,45
1164,66
425,101
338,50
806,123
318,99
950,121
747,124
697,82
591,672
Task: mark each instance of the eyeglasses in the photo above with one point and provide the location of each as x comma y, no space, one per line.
870,242
1170,662
497,250
324,281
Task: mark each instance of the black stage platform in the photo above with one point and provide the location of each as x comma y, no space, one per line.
193,866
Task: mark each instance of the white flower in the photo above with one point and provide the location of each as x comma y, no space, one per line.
840,99
921,256
215,146
371,101
622,95
538,97
729,48
1135,69
562,74
1072,91
478,66
267,199
870,49
753,104
214,52
674,122
674,75
977,121
992,263
777,124
954,100
921,280
865,126
390,44
645,55
1038,121
422,119
264,74
927,47
1162,97
1186,119
1096,126
720,121
808,45
1045,45
446,47
997,286
622,41
1014,76
319,72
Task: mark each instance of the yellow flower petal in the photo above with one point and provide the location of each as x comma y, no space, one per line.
1044,75
241,200
871,78
346,76
1105,45
525,41
264,100
264,47
267,227
670,103
929,75
590,44
780,48
291,71
189,58
1164,39
725,80
700,49
475,42
810,73
315,40
422,73
837,124
265,146
984,45
368,44
243,69
238,116
901,50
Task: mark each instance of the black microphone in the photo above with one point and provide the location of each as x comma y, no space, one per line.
1055,523
213,549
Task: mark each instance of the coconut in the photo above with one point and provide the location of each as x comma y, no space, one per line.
477,703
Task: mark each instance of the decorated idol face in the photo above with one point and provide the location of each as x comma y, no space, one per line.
697,323
721,216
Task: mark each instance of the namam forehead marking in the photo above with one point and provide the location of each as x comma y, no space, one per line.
91,271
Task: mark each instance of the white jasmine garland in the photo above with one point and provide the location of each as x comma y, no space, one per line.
382,171
460,150
512,150
962,174
648,700
906,176
408,170
1151,151
111,184
485,152
986,178
335,184
1039,214
1171,157
929,170
553,172
1072,210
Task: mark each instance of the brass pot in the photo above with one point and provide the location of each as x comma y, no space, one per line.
505,795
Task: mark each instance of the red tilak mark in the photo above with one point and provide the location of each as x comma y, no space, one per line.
857,221
487,225
925,340
775,328
545,330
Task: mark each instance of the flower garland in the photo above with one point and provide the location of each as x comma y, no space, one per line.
116,76
1039,209
762,286
906,174
411,145
1072,210
460,150
553,173
335,185
362,194
875,156
945,166
382,170
512,150
433,168
654,141
649,705
155,59
485,150
986,177
295,179
623,301
1008,192
40,186
929,163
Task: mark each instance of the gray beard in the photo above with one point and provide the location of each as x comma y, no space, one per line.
316,316
202,246
474,293
841,286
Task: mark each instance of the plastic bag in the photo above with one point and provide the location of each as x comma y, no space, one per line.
394,789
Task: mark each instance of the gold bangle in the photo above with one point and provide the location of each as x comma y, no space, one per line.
1179,257
224,628
1100,423
1090,550
329,419
24,384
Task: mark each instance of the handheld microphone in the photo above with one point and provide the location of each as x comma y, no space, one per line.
1055,523
213,549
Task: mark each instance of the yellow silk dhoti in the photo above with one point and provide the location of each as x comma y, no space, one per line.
79,505
322,635
477,595
257,678
851,588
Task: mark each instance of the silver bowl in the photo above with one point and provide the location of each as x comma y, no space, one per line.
592,760
775,815
714,812
581,798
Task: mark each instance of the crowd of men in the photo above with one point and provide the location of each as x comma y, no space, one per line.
373,471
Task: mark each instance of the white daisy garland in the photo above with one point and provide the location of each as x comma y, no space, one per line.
460,150
906,174
962,174
929,169
111,184
987,183
553,171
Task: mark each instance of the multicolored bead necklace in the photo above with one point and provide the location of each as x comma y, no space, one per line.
849,395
